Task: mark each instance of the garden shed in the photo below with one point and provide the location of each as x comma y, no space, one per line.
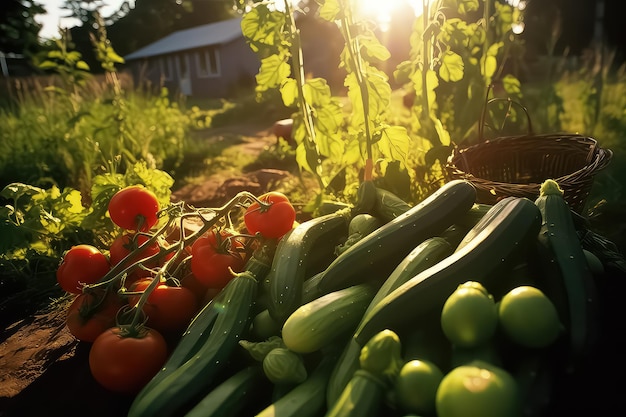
208,61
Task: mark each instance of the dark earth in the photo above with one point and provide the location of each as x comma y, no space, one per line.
44,370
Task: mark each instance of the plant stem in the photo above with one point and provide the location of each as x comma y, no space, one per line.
354,51
307,113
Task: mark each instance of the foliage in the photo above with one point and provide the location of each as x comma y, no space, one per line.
18,27
331,145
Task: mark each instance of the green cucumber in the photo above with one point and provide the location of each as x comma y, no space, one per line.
500,245
306,399
364,395
566,271
230,396
379,253
388,206
425,255
365,198
171,392
319,323
360,226
293,259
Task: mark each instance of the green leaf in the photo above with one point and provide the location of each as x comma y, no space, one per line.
372,48
451,67
317,92
48,65
467,6
394,143
114,57
289,92
272,72
262,26
329,10
512,85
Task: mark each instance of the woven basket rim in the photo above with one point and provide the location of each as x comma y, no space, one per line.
597,160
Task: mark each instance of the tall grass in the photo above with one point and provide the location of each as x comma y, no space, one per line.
63,137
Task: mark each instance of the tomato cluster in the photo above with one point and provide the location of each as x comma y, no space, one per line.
135,299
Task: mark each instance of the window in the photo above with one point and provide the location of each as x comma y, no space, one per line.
207,63
166,67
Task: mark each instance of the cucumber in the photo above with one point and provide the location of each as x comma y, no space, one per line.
230,396
379,253
360,226
319,323
365,198
380,362
306,399
566,271
388,206
168,394
496,248
425,255
295,255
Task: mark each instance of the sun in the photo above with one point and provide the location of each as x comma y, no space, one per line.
381,11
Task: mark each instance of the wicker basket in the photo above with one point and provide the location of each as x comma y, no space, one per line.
517,165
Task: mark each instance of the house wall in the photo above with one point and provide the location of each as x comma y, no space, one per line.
237,67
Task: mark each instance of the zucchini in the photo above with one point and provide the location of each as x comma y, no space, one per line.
168,394
380,362
566,271
365,198
306,399
360,226
388,206
379,253
501,243
296,253
230,396
318,324
419,259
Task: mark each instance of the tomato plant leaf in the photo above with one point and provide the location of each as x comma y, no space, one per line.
452,66
329,10
272,72
289,92
394,143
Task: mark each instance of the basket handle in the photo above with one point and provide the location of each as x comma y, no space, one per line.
483,116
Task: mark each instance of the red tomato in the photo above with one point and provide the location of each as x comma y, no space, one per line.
91,313
129,242
273,221
134,208
81,264
125,364
169,308
210,264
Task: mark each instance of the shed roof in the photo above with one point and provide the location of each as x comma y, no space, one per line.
210,34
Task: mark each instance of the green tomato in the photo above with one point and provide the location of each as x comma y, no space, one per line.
416,386
478,389
529,318
469,317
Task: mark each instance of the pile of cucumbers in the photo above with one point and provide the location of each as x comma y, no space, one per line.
337,281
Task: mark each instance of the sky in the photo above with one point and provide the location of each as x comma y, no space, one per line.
54,18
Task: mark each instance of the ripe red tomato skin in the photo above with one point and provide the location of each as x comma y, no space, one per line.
134,208
212,269
86,324
126,364
81,264
272,222
126,243
169,308
211,260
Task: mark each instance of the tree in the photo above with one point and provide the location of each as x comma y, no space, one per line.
19,31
